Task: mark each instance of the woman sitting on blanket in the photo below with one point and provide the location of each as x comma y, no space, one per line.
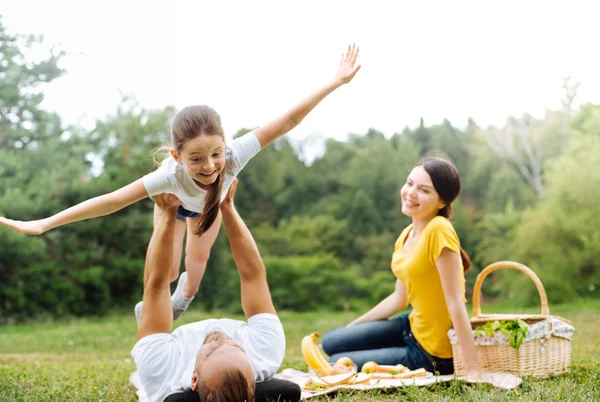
429,265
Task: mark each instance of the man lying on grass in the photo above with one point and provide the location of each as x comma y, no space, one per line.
219,358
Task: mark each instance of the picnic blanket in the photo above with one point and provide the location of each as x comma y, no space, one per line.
505,381
500,380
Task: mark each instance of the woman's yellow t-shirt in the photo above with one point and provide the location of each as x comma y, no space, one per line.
429,319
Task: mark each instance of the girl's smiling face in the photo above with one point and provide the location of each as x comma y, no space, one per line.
203,158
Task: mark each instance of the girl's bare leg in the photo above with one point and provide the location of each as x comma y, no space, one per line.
197,252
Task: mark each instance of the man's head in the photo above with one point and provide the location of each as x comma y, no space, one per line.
223,372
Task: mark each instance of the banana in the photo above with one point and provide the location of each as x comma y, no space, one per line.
372,367
314,337
313,356
321,356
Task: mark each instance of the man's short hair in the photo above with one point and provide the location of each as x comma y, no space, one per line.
233,387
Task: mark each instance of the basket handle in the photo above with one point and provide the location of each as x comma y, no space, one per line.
507,264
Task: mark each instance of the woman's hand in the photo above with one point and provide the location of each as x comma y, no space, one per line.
348,67
386,308
500,380
476,376
30,227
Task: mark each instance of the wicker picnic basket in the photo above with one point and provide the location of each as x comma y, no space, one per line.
539,357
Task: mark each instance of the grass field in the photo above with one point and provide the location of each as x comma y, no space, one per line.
88,360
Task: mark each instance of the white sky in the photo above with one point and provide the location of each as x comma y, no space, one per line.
251,60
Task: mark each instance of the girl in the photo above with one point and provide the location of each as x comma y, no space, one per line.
429,265
199,171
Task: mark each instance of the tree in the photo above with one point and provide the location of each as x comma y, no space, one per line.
529,143
22,123
520,142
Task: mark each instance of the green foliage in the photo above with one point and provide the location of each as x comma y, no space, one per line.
507,186
305,235
22,123
325,230
558,237
311,282
90,266
587,121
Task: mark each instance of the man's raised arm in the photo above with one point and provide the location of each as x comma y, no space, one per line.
157,313
256,297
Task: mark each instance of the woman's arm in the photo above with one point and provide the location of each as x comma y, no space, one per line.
99,206
450,269
278,127
387,307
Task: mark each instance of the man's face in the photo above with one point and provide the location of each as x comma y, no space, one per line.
218,353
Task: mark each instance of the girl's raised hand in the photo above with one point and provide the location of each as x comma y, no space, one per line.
348,67
290,119
31,227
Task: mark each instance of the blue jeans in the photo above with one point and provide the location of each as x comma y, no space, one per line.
384,342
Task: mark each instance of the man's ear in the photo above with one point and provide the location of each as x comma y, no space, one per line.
194,381
175,155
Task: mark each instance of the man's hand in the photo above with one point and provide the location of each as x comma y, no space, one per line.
167,202
228,201
157,312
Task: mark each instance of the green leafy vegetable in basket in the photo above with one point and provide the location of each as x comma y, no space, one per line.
514,330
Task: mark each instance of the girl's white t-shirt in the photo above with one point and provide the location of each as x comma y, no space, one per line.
171,177
166,362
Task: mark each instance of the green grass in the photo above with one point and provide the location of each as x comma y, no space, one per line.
88,360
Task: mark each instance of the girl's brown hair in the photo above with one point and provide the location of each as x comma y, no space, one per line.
189,123
446,181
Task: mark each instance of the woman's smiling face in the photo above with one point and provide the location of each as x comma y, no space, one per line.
419,198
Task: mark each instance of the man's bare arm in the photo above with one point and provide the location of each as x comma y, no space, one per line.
157,313
256,297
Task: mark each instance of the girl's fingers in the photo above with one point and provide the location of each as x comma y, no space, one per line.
355,55
351,55
8,222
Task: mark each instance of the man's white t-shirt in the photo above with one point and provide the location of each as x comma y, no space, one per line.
165,362
172,177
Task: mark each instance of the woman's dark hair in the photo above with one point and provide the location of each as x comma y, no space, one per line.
189,123
446,181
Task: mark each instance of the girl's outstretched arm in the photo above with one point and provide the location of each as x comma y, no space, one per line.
99,206
278,127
